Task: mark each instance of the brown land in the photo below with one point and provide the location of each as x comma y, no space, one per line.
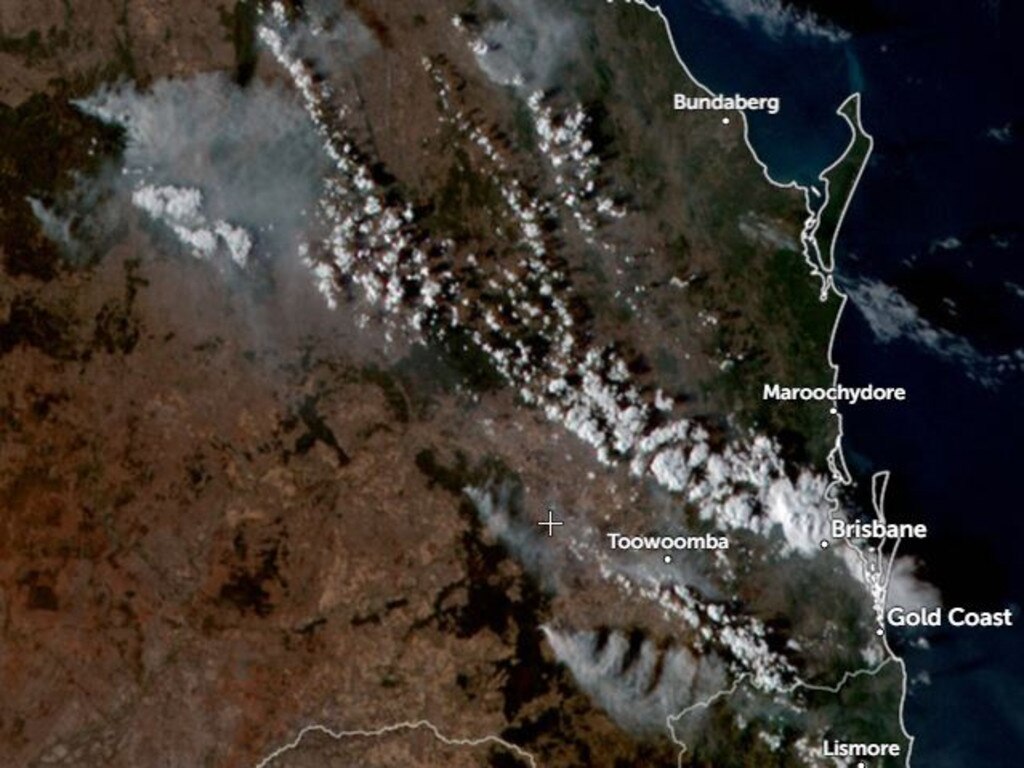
225,514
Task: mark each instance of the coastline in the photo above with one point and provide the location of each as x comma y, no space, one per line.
850,111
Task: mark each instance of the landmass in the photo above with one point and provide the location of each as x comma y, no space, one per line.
311,312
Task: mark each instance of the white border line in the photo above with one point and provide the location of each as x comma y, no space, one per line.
836,460
394,728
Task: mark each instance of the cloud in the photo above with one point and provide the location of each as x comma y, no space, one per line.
181,209
907,590
778,20
891,317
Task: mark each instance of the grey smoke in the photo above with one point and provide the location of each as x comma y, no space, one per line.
552,562
252,152
54,225
528,44
498,508
638,690
329,36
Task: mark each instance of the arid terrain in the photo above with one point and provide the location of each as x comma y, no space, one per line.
268,462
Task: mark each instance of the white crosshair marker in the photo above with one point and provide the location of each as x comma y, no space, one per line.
551,522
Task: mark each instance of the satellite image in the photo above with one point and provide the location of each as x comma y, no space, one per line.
501,383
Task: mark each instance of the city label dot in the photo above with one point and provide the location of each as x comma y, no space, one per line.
668,558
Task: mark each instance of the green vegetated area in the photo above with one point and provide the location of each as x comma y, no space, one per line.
46,145
35,46
771,323
45,139
772,327
42,141
466,200
783,329
866,709
791,332
842,181
240,25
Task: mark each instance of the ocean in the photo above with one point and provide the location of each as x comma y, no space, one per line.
930,254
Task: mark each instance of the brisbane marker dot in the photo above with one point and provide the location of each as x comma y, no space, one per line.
824,544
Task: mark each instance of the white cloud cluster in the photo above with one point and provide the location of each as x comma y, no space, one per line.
369,242
524,325
587,389
562,140
181,209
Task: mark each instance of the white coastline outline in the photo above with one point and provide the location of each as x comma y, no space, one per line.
836,460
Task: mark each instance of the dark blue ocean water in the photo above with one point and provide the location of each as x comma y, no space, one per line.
940,86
